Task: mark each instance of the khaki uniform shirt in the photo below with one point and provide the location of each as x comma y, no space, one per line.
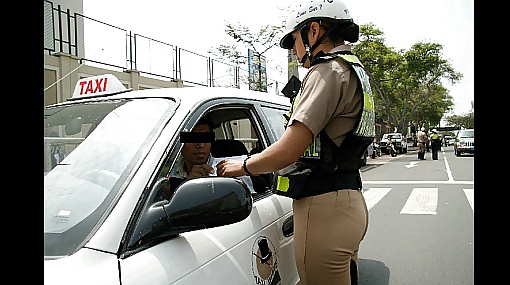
422,136
330,98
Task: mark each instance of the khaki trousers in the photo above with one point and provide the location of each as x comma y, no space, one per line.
421,147
328,229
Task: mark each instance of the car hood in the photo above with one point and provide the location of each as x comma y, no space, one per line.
86,266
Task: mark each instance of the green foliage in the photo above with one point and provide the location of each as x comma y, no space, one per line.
466,121
408,85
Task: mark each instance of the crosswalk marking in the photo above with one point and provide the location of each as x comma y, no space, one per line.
470,197
421,201
373,196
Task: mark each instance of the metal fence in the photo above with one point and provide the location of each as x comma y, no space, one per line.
100,44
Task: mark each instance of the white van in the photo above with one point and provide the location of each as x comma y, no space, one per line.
108,151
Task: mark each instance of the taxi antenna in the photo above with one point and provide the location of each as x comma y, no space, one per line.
81,64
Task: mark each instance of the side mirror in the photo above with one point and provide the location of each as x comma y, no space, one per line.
196,204
208,202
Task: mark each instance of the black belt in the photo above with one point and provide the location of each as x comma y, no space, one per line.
338,181
350,181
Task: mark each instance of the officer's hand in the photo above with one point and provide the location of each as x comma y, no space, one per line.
200,170
230,167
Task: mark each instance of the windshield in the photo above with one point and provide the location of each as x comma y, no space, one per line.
89,151
466,134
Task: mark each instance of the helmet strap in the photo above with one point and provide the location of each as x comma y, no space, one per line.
304,36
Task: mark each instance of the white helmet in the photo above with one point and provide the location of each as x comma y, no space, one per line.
434,131
310,10
422,129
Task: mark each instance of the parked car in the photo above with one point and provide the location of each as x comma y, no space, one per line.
448,140
107,155
399,142
464,142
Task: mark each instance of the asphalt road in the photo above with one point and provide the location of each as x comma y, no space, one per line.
421,220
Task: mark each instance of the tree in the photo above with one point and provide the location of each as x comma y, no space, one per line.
260,42
408,85
380,62
466,121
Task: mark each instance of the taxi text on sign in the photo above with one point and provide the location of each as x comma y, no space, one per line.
98,85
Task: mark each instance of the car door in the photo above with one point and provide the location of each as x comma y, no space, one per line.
257,250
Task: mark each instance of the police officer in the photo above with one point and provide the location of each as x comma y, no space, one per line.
422,141
435,141
330,125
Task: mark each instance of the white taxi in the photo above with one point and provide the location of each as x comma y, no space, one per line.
108,151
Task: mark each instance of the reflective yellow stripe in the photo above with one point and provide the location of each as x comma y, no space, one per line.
350,57
282,184
368,104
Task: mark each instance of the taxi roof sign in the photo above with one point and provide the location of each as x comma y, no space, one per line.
98,85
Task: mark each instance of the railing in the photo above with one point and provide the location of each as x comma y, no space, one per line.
101,44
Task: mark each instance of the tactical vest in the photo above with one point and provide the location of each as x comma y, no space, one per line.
325,167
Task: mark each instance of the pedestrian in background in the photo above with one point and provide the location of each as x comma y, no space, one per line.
435,141
317,159
422,142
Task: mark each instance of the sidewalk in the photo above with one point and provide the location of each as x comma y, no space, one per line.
412,148
374,161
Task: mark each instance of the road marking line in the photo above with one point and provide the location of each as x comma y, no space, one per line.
448,170
374,195
412,164
421,201
417,182
470,197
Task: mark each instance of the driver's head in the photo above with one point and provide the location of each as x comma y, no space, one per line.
198,152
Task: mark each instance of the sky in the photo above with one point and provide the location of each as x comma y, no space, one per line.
199,26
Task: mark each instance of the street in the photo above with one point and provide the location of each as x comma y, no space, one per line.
421,220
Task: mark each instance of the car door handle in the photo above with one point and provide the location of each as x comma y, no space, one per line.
288,226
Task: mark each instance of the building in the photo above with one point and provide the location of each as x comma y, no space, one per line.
71,48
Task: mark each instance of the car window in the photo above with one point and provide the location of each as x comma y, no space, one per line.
466,134
276,120
231,122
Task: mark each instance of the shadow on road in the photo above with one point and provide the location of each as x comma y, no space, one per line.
373,272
